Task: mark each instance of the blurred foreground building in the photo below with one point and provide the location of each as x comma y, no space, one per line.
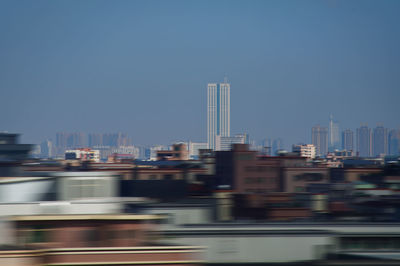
12,154
288,209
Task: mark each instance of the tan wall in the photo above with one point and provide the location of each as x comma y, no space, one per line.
352,175
159,175
294,181
158,255
20,258
254,176
81,234
282,214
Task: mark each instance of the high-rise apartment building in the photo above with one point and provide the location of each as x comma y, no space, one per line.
364,141
218,112
333,134
277,145
394,142
319,138
380,141
46,149
65,140
95,139
348,140
267,146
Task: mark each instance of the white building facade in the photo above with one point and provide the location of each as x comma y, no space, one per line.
83,155
306,150
218,112
225,143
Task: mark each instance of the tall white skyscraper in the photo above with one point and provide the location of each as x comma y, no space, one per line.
218,112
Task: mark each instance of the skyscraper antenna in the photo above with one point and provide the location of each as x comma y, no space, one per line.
225,79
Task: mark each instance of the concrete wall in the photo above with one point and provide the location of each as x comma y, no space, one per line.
273,243
60,207
24,189
257,249
78,185
184,215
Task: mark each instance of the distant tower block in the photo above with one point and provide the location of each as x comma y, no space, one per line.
218,112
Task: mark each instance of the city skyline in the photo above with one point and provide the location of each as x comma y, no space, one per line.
363,142
134,67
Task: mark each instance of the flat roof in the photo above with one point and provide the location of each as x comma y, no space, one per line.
79,217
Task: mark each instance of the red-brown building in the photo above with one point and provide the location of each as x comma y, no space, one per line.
93,240
243,171
179,152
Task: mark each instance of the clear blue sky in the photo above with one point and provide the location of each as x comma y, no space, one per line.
142,67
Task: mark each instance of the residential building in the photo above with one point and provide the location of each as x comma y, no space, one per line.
225,143
305,150
334,138
364,141
298,179
151,152
380,141
178,152
195,147
218,112
394,142
116,139
96,239
84,154
95,139
128,150
348,140
65,140
242,171
277,145
46,149
267,146
105,151
319,138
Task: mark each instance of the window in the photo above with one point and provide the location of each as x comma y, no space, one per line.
370,243
86,188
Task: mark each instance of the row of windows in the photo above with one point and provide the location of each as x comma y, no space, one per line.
86,188
257,191
259,180
256,168
160,177
44,235
309,177
369,243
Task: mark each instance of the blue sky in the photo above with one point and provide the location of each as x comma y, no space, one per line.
142,67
